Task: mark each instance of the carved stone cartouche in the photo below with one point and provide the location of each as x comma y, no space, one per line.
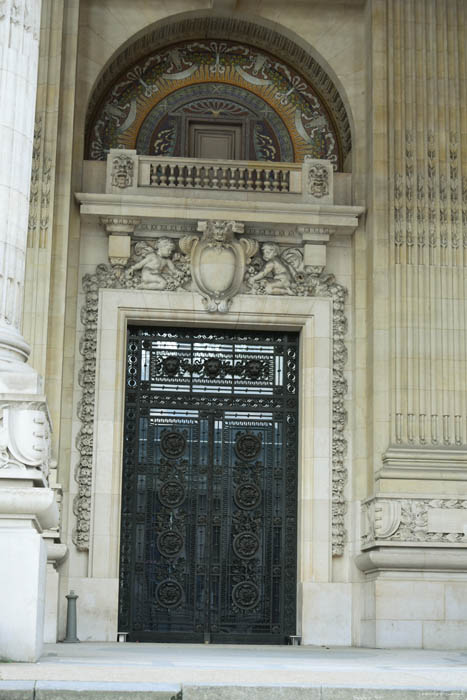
218,261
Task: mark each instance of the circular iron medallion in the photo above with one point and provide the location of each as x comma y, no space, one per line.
169,593
171,494
247,496
169,543
245,545
247,446
172,444
245,595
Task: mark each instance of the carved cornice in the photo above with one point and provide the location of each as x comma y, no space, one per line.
341,219
448,463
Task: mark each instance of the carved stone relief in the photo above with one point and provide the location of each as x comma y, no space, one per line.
218,261
123,171
158,264
24,436
318,181
408,520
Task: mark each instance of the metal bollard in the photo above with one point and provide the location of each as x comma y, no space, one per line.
71,637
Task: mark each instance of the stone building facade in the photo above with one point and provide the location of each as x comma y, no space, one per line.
243,168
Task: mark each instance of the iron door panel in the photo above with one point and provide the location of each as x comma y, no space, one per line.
208,540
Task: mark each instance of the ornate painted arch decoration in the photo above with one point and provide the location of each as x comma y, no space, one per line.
142,103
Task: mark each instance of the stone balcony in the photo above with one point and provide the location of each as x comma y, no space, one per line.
278,194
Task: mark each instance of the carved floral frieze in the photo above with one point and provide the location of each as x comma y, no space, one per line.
195,263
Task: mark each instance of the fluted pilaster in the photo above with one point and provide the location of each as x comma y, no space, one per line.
428,220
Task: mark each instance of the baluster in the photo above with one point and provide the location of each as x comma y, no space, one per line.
275,180
250,181
233,177
269,180
261,180
213,177
224,178
171,182
196,176
202,176
286,183
190,176
152,175
243,179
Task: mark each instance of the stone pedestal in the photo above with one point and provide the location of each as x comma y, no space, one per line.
24,512
22,589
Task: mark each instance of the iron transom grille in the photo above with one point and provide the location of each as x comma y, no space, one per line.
209,498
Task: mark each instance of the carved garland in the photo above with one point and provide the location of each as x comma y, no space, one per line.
272,272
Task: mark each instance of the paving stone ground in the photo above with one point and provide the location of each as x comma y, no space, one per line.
221,672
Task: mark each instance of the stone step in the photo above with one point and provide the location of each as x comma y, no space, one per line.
75,690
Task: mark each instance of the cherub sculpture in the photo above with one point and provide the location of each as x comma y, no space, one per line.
279,272
158,270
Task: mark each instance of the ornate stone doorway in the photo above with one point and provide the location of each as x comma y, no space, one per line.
209,499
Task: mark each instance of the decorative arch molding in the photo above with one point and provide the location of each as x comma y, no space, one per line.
240,53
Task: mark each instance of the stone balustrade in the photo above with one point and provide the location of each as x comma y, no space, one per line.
228,175
311,180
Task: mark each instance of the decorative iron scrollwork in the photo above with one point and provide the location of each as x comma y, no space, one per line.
245,545
171,494
247,446
245,595
169,543
169,594
173,444
212,368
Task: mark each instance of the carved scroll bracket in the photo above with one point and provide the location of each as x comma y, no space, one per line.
119,230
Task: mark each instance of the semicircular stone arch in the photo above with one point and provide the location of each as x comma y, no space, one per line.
218,68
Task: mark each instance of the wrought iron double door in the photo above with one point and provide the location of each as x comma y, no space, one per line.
209,504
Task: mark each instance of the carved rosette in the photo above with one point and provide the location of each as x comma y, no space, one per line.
218,261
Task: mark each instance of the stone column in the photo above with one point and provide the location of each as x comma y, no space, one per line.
19,49
27,505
